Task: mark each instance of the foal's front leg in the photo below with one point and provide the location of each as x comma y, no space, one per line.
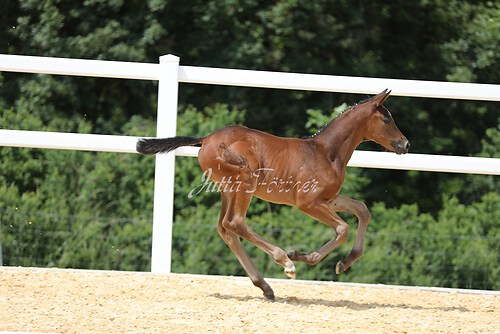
359,209
323,213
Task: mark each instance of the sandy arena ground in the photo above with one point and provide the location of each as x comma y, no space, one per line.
80,301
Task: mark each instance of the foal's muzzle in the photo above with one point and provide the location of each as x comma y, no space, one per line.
401,146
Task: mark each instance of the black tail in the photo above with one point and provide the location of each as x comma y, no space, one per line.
165,145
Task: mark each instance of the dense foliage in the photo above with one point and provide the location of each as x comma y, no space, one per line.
93,210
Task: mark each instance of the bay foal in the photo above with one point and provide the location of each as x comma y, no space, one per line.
307,173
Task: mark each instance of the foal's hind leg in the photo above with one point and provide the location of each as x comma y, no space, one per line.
234,243
359,209
235,222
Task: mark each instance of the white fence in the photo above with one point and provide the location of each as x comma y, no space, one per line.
170,74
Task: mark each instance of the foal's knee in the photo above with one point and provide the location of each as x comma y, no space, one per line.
363,213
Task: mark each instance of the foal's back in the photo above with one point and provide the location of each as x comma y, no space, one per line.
235,144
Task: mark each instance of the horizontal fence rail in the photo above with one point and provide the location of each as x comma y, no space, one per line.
80,67
341,84
248,78
68,141
365,159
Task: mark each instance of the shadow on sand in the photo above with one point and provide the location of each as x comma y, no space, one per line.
353,305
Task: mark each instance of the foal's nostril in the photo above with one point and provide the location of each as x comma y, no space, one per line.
401,146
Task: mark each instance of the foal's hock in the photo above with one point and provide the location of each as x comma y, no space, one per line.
307,173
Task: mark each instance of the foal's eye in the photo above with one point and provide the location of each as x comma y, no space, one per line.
386,120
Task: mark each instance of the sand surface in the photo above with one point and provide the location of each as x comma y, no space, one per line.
80,301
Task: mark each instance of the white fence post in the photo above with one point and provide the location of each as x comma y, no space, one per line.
168,87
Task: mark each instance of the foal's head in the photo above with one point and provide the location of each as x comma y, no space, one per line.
381,127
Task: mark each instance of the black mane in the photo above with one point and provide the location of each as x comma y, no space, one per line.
335,118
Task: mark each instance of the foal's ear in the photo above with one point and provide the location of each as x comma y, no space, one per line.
381,97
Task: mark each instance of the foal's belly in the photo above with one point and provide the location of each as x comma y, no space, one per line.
285,189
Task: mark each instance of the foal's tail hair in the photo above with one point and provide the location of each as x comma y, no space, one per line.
165,145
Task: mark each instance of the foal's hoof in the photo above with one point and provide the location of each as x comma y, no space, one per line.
297,256
290,269
339,268
270,297
293,255
292,275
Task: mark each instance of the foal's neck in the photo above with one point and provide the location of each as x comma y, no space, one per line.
341,137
